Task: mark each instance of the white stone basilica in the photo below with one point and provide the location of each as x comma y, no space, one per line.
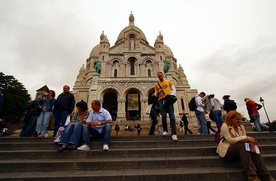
122,76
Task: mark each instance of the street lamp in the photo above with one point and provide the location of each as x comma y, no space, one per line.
270,126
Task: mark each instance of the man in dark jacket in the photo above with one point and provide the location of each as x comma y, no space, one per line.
229,105
64,106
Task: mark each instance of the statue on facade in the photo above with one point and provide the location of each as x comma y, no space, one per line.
97,66
166,66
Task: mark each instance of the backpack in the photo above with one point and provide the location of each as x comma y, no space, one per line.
192,104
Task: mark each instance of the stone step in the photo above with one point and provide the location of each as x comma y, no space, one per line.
120,153
81,164
119,144
166,174
193,157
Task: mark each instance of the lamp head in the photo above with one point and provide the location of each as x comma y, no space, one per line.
261,100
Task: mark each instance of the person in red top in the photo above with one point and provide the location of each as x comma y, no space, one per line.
252,108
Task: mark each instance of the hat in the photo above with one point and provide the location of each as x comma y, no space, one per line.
226,96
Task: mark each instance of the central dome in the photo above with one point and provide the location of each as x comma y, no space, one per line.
131,29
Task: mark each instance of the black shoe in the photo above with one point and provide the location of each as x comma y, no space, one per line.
71,147
61,149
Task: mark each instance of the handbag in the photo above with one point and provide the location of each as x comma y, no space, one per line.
171,99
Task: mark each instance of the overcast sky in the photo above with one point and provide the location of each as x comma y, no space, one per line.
224,47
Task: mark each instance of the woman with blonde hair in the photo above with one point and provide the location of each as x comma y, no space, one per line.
232,145
252,108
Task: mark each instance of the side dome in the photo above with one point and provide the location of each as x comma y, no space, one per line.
95,51
168,51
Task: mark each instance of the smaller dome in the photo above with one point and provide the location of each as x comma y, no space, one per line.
95,51
168,51
105,40
158,40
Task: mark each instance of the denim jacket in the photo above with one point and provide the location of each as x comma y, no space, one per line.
47,104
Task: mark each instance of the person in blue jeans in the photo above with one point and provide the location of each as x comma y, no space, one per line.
72,135
98,125
216,108
46,102
64,106
202,124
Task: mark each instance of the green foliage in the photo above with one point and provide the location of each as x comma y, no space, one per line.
16,98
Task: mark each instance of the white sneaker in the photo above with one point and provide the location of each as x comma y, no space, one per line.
164,133
174,137
105,147
84,148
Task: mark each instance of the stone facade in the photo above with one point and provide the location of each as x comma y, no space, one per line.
122,76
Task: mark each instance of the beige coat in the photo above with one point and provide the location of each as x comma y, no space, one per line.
230,137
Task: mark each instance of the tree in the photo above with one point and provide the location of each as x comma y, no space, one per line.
15,99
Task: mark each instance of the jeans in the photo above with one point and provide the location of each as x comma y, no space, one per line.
60,119
168,109
29,126
202,123
43,122
217,117
258,123
72,134
89,130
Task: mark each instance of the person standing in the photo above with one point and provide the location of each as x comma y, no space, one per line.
252,108
162,88
229,105
138,127
98,125
186,124
202,125
117,129
216,108
64,106
46,103
153,112
209,121
232,146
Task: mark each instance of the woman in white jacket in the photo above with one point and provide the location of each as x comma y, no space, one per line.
232,145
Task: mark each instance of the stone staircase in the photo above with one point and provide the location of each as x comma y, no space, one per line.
130,157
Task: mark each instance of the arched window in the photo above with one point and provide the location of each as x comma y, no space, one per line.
149,73
115,72
132,63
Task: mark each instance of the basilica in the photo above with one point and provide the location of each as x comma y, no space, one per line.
123,75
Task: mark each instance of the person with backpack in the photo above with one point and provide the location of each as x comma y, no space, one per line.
202,124
229,105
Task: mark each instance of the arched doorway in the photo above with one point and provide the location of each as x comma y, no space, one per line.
110,103
133,105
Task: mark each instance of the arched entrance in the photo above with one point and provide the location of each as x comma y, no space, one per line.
110,103
133,105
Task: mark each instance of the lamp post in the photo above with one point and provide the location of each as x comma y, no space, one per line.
270,126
